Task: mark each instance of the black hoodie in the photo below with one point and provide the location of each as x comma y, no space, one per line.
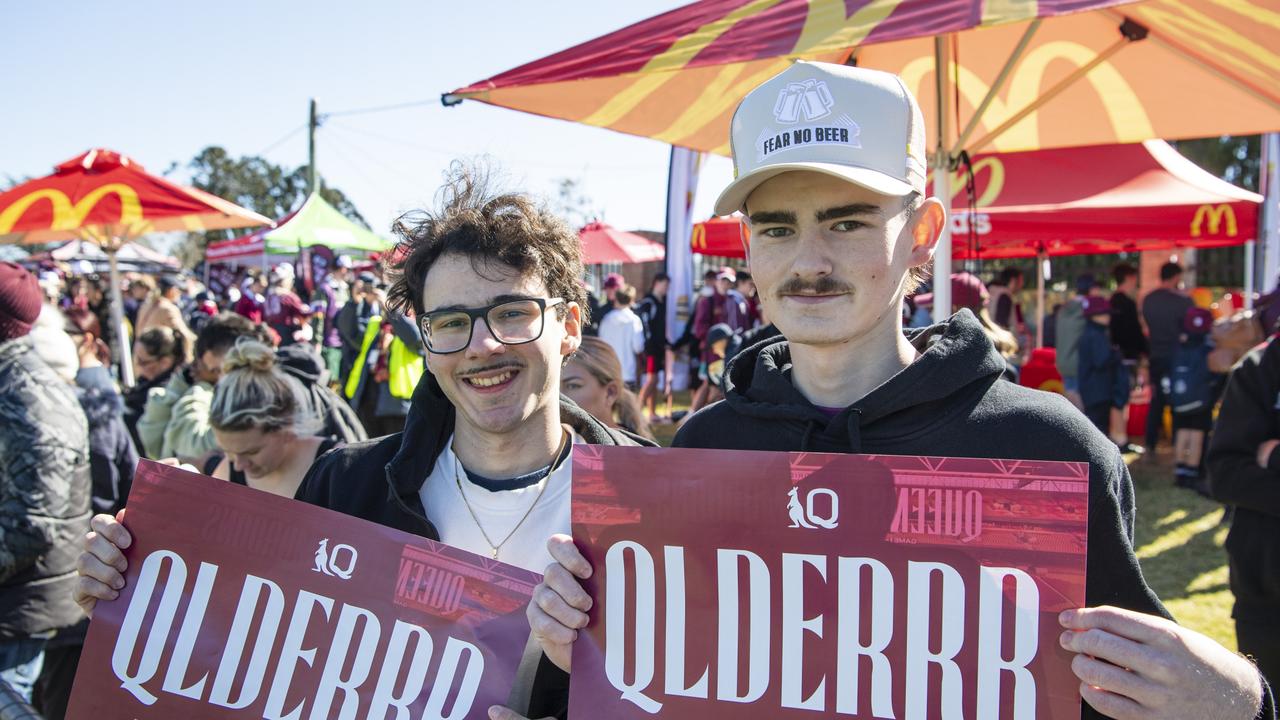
950,402
378,480
1250,416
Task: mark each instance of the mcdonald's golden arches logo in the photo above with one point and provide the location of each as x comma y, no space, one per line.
68,215
1214,215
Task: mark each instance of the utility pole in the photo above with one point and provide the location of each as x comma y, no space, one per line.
312,124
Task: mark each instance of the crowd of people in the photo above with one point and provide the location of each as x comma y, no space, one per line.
443,395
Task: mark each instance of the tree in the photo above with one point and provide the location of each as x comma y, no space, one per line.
574,205
1234,158
255,183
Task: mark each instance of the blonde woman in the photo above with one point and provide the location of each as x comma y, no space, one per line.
593,379
261,423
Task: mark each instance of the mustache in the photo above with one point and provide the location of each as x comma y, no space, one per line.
490,368
825,285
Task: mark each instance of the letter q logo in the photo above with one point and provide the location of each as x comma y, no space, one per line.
803,515
330,562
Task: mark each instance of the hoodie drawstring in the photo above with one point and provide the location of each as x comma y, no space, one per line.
808,432
854,425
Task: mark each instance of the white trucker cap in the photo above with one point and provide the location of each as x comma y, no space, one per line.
856,124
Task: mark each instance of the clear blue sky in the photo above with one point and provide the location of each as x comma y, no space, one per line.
161,80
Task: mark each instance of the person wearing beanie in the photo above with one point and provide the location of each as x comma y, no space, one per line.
1069,326
1104,383
1192,391
44,488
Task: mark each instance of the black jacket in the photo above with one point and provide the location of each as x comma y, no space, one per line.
1250,416
44,493
112,454
378,480
950,402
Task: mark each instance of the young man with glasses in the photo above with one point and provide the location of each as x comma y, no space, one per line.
484,461
839,233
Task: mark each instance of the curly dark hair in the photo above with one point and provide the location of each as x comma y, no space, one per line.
474,220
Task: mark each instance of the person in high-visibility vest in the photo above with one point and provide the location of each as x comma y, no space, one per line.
386,371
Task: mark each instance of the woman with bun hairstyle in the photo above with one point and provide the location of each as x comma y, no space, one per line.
261,423
593,379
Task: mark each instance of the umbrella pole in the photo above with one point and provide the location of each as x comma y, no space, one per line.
1042,264
942,182
117,319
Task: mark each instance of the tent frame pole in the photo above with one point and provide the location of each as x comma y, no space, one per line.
1250,247
942,179
1130,32
997,86
1042,267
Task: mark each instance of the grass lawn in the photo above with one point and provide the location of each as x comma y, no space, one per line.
1178,536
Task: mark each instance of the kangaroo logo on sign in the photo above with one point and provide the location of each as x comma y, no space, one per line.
803,515
328,561
809,100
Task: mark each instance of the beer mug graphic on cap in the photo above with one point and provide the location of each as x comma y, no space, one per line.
808,100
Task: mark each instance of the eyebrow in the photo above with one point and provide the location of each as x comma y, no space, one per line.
848,210
778,217
786,217
496,300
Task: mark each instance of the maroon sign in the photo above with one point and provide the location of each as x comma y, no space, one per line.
241,604
780,585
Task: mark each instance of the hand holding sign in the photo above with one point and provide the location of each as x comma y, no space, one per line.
101,566
560,605
1134,666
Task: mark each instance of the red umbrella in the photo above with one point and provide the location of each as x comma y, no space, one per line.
108,198
604,244
721,237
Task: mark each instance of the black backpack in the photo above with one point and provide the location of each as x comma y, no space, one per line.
1189,386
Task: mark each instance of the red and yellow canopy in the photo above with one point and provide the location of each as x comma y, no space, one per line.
1157,68
103,195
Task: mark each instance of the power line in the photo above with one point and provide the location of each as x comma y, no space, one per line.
381,108
336,147
282,140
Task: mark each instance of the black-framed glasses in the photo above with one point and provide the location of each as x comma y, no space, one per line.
511,322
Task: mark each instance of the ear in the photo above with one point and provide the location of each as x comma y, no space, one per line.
925,229
572,329
612,391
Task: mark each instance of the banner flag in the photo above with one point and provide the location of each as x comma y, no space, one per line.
241,604
682,186
780,585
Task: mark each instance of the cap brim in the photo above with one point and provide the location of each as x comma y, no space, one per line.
734,197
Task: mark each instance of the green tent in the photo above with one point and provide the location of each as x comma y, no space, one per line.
315,223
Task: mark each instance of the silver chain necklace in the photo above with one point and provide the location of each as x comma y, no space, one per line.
494,549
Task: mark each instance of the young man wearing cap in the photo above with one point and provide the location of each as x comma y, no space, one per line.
839,233
1104,383
44,488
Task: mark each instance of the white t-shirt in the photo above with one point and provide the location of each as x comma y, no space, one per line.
624,332
498,512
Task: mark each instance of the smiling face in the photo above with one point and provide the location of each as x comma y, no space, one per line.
497,387
254,452
829,258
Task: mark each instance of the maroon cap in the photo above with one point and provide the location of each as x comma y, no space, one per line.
1094,306
967,291
19,301
612,280
1197,321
